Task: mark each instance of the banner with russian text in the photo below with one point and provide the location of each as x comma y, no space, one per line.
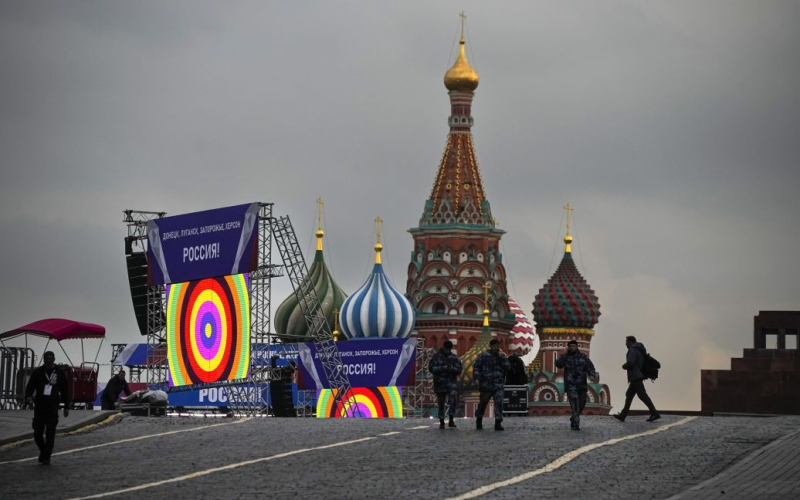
207,244
368,363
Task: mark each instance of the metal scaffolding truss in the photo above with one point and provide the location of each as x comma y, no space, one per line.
420,394
251,396
156,364
330,358
135,371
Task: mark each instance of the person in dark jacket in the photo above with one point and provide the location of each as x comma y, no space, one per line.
516,373
114,387
49,384
633,365
577,366
277,389
490,372
445,368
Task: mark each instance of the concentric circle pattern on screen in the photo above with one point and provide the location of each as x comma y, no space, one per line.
372,402
208,330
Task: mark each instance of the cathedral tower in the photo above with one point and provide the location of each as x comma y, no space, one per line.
565,308
457,243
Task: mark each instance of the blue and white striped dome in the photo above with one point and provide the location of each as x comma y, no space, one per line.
377,309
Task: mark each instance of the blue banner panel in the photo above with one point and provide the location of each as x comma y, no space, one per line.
284,353
217,396
368,363
199,245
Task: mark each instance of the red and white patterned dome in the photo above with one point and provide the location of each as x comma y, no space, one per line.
523,337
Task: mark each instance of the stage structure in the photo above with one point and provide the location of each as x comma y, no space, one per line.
148,301
247,395
420,395
134,371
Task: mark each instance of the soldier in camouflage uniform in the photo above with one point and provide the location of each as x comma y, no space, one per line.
576,367
490,372
445,368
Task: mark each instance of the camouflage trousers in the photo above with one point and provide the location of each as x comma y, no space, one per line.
451,398
577,401
497,396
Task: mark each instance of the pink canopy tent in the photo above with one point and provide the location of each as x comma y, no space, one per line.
59,329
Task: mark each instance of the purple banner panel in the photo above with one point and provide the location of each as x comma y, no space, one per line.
207,244
368,363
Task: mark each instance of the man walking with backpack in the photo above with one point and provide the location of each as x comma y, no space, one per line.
635,366
445,368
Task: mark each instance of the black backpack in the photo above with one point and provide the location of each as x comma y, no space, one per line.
650,367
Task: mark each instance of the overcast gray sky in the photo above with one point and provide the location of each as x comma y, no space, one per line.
673,128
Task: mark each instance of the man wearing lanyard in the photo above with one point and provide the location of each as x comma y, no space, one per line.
50,385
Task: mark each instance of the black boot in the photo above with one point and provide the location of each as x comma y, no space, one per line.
451,423
619,416
441,423
479,423
497,426
654,417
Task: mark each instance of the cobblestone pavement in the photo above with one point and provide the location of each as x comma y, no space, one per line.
404,462
15,425
769,472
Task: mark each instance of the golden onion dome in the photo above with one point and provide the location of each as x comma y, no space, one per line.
461,77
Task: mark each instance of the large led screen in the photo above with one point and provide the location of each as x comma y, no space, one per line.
372,402
208,330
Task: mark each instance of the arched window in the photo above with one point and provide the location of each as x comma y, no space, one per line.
438,308
470,308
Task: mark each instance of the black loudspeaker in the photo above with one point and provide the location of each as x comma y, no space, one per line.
137,280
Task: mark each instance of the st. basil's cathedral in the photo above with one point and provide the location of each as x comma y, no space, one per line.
457,286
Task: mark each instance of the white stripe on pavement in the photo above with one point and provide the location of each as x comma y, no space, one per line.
223,468
85,448
564,459
420,427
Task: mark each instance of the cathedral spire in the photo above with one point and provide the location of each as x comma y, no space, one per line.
457,196
568,238
461,77
378,246
319,232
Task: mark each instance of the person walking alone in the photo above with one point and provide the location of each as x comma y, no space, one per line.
577,366
445,368
490,373
634,361
49,384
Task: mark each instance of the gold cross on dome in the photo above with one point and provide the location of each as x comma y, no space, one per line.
319,212
378,221
568,209
486,287
463,20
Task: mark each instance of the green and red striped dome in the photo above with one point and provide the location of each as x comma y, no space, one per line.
566,300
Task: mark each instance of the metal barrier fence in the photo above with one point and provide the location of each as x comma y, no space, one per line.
15,368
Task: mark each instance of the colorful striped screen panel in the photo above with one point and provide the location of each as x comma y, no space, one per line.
372,402
208,330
